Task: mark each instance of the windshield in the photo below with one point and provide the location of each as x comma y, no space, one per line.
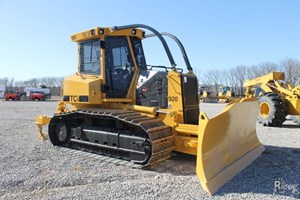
89,54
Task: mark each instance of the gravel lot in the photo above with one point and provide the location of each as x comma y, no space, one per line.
32,169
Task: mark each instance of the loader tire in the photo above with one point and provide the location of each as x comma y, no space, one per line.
272,110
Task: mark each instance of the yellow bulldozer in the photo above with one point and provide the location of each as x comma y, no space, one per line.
207,94
225,94
277,98
103,112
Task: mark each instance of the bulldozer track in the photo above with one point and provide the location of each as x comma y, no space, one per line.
102,158
155,133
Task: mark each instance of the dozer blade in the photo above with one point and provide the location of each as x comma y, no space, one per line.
227,143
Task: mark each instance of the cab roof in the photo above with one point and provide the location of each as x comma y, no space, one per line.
101,33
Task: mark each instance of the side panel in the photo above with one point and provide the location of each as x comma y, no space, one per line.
190,99
82,90
175,95
154,91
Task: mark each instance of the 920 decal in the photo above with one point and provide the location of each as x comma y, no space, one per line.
172,98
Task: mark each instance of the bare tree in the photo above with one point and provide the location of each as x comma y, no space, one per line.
267,67
232,80
197,73
224,77
253,72
239,74
10,83
207,78
212,77
4,81
291,68
53,83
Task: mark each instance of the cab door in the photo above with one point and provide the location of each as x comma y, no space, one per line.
119,67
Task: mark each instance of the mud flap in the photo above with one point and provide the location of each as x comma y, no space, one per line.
227,143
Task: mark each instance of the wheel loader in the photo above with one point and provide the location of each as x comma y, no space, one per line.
277,98
103,112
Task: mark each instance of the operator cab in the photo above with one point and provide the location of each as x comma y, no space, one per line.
224,90
110,61
119,63
108,64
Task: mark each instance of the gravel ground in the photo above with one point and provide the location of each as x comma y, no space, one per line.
32,169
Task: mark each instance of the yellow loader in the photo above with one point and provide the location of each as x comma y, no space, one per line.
277,98
109,116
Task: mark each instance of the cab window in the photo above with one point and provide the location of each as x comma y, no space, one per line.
89,54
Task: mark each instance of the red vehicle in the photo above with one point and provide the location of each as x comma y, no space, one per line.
37,95
11,95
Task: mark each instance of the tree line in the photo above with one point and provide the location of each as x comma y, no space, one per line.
236,76
233,77
53,83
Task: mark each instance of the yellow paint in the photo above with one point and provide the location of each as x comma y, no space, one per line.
293,106
40,121
264,109
174,92
186,145
87,35
222,144
187,129
271,83
227,143
61,107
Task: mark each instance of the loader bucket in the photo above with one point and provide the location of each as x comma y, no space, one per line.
227,143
